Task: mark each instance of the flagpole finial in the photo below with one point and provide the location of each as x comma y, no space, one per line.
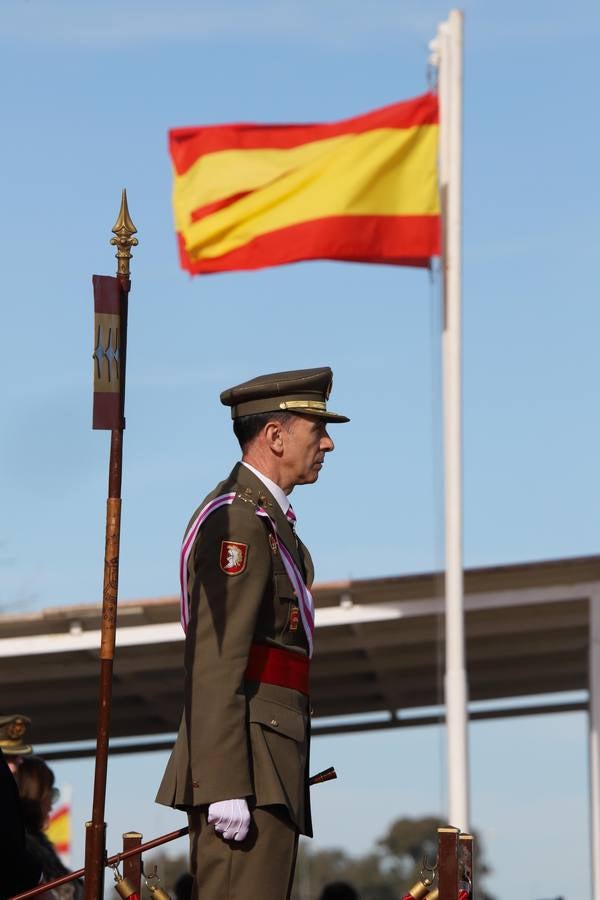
124,229
434,52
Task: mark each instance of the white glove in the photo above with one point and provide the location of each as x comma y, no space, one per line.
231,818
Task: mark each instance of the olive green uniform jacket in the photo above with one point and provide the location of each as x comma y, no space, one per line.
239,738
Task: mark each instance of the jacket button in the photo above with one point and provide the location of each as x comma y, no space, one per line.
274,723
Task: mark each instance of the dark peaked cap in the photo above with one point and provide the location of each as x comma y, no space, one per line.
303,391
12,732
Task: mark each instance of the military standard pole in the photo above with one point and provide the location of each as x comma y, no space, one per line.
448,863
132,866
110,348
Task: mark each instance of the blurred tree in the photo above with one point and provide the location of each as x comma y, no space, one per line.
408,841
370,878
315,869
387,872
169,868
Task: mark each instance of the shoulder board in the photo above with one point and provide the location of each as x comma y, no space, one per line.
247,495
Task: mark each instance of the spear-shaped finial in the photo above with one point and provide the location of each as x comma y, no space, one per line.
124,229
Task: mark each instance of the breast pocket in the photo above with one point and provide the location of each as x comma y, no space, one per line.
283,585
288,622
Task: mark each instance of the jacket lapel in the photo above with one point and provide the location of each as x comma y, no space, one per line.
309,569
248,481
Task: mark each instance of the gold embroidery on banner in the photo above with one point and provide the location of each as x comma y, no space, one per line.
106,356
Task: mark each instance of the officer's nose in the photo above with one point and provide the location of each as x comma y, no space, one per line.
327,444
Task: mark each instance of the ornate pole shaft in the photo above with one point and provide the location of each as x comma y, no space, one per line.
110,350
448,862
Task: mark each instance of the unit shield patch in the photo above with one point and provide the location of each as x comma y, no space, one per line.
233,557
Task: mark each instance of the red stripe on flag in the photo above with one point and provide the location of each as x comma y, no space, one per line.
395,240
63,810
210,208
186,145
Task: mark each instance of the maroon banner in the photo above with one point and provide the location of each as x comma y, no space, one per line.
108,353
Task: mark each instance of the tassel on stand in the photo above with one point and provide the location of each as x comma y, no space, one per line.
153,885
123,887
420,890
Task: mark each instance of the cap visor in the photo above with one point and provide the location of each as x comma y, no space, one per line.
23,750
336,417
327,415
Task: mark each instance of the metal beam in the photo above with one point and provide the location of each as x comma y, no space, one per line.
344,728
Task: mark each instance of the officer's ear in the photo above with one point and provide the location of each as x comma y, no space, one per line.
273,433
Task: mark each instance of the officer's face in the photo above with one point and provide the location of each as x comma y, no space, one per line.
306,444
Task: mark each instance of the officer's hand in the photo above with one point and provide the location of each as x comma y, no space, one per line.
231,818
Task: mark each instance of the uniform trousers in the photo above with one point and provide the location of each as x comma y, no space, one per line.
260,866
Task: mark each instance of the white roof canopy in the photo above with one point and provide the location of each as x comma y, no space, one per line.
379,649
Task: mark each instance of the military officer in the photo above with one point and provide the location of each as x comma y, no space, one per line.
240,763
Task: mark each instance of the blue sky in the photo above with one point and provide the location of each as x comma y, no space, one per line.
90,91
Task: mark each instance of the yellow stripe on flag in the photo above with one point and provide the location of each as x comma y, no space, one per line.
215,176
381,172
59,829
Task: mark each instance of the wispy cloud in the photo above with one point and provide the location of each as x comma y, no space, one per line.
337,22
177,378
321,23
530,28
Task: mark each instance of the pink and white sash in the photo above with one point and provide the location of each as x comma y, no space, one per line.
186,549
305,600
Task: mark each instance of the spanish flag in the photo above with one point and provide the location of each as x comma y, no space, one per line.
364,189
58,830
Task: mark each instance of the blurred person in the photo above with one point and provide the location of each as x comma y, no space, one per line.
339,890
183,887
239,767
19,869
35,784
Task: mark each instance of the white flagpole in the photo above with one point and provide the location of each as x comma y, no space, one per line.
594,739
450,48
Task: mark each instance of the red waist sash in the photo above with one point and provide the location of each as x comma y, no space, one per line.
274,666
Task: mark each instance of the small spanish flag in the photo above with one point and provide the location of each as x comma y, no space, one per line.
363,189
58,830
